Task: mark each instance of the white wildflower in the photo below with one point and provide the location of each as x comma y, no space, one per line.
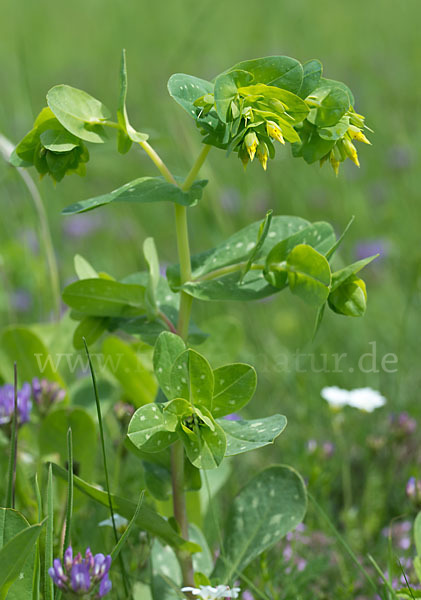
207,592
365,399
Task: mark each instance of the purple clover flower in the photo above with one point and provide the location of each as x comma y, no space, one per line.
46,393
79,576
7,403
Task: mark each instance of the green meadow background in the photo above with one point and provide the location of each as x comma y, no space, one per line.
371,45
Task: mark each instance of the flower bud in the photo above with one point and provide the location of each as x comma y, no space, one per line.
263,154
251,141
274,131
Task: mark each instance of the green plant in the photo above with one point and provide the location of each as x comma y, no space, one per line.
179,429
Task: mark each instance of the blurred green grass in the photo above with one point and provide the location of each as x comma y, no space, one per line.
370,45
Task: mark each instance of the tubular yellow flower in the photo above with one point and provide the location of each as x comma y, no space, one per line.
262,154
274,131
251,141
351,151
357,134
334,162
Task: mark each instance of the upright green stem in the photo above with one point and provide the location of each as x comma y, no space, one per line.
6,148
183,247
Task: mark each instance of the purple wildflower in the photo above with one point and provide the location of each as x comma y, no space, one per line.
233,417
7,403
80,576
402,424
366,248
81,225
413,490
46,393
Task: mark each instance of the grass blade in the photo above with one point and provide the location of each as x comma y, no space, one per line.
69,509
36,580
11,476
342,541
122,540
104,458
48,556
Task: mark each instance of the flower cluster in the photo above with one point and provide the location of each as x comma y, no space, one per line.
7,403
365,399
207,592
79,576
46,393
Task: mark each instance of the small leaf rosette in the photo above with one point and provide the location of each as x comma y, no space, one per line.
51,149
80,577
259,103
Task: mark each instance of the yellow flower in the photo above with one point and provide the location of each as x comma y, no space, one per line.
262,154
251,141
350,150
274,131
357,134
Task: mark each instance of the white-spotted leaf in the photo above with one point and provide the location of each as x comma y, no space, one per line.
243,436
234,387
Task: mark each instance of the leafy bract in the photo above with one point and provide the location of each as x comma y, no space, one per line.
309,274
216,273
78,112
280,71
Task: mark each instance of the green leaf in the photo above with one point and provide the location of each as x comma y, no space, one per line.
216,272
166,573
142,190
84,269
13,556
205,447
20,344
12,523
280,71
152,428
243,436
341,276
151,257
263,232
226,90
53,432
417,533
105,298
202,561
192,379
168,346
123,119
186,89
295,106
78,112
147,518
235,385
58,141
267,508
128,368
312,70
350,298
331,104
331,83
309,274
318,235
90,328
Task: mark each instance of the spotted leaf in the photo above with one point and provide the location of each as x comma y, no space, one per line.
152,428
243,436
266,509
234,387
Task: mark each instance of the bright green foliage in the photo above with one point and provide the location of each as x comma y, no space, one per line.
126,134
12,523
266,509
78,112
256,102
144,189
243,436
147,518
51,149
17,546
127,366
308,274
53,432
197,396
105,298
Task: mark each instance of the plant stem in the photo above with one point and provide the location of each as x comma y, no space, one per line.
6,148
183,247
